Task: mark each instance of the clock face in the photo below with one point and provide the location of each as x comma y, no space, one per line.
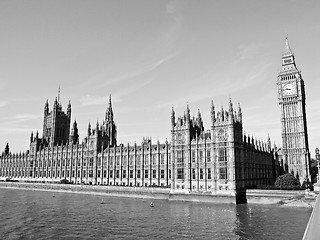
289,89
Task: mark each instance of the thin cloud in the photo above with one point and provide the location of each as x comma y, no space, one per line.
141,71
90,100
21,118
248,52
130,75
163,60
173,8
251,108
22,129
223,87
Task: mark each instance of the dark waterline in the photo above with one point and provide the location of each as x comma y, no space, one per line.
26,214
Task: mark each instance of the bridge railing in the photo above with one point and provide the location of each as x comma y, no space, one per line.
312,231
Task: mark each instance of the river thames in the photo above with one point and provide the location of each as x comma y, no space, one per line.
26,214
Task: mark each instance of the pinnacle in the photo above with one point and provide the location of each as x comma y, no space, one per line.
110,99
287,50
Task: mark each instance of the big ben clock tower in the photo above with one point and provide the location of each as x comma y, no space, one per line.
292,101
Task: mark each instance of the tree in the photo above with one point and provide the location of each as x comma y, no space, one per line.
313,170
286,181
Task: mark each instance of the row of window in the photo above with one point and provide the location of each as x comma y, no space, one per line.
180,173
200,155
222,156
201,173
85,173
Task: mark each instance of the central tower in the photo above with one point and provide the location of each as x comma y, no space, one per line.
292,101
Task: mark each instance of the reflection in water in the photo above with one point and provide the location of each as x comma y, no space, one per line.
270,222
38,215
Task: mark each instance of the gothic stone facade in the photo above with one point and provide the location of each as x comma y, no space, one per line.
292,100
220,160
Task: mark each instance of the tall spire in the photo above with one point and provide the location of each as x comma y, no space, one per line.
59,94
109,112
288,60
110,104
287,50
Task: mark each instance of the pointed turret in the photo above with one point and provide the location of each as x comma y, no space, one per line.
269,147
199,121
55,104
97,126
69,109
59,94
188,117
199,118
213,113
230,109
89,129
74,136
222,114
46,108
6,149
75,125
239,113
172,117
188,112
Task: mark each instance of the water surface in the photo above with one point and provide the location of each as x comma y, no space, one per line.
26,214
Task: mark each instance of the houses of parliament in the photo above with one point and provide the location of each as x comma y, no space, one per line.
218,160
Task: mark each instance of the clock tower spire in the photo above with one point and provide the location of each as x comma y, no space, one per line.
292,101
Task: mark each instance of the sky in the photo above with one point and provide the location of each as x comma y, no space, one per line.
152,56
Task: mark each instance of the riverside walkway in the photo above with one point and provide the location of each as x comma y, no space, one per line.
312,231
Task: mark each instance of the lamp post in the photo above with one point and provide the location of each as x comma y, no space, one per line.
318,174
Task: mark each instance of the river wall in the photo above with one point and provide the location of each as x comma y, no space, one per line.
253,196
258,196
141,192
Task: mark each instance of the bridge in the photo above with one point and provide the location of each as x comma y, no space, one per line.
312,231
